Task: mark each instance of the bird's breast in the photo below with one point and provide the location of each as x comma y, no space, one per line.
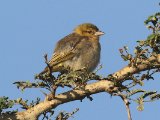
88,57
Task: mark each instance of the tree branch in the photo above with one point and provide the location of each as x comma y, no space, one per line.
7,116
33,113
97,87
144,65
126,102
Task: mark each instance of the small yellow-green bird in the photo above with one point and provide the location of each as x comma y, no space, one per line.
78,50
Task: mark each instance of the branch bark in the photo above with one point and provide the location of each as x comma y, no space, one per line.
126,103
97,87
6,116
130,70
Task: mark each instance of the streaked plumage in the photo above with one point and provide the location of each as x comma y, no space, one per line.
80,49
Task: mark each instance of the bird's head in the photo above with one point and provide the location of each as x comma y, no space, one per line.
88,30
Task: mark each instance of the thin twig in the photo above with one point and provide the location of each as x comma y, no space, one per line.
54,87
65,115
127,107
126,102
49,67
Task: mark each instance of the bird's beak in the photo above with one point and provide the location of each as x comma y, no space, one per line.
99,33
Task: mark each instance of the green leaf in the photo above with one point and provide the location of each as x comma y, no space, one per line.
125,58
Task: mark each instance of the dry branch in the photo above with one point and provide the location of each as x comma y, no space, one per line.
97,87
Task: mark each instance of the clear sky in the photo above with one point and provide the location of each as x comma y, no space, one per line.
30,28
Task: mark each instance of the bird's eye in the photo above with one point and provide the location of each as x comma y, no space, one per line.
89,31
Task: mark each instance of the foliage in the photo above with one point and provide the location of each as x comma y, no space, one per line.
144,50
5,103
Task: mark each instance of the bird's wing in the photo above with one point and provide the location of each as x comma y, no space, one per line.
65,49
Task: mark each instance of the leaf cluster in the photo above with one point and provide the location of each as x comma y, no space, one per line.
5,103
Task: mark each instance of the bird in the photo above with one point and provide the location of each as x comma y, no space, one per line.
78,50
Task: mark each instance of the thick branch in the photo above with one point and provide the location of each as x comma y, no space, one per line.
7,116
69,96
97,87
146,64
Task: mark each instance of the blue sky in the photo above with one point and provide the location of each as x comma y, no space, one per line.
30,28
